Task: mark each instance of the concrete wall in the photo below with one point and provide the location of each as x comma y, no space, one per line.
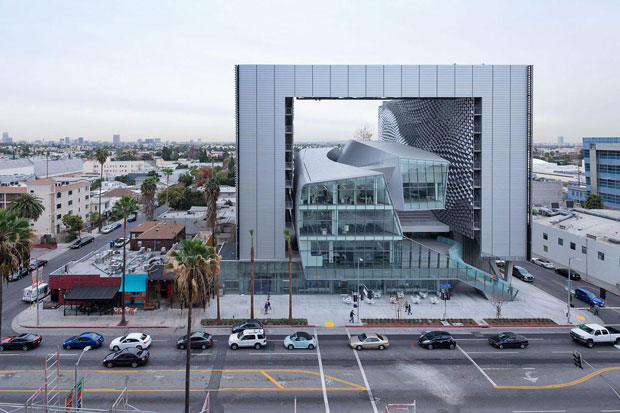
546,192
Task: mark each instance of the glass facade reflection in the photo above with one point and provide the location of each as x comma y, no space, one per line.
424,184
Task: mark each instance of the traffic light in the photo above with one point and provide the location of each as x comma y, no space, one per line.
577,359
355,297
603,293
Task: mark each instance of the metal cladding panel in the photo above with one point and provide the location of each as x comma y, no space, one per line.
518,159
428,81
320,81
501,161
392,80
463,81
246,151
267,169
411,81
357,81
374,81
339,80
445,81
483,88
303,81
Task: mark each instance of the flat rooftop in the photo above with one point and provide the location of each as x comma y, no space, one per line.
583,224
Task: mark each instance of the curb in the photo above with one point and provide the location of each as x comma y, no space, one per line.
95,327
445,327
264,325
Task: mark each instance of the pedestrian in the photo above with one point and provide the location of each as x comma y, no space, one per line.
351,317
595,309
266,306
408,309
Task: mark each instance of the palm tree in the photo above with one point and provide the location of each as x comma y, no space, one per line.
194,264
212,192
15,246
287,237
102,156
148,188
27,206
251,273
125,207
167,172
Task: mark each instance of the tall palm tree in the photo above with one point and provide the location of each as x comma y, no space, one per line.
27,206
194,264
212,192
148,188
102,156
287,237
167,172
251,273
15,246
125,207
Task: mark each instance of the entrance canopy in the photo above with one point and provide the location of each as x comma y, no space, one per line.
92,293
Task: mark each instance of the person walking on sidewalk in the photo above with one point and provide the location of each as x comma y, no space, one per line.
351,317
266,306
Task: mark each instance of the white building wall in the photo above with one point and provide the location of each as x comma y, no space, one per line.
77,195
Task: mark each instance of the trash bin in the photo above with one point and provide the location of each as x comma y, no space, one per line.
111,244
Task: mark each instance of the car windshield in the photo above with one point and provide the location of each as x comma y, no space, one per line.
586,329
122,338
240,334
362,337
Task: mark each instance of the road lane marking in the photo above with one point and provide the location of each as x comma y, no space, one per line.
291,353
323,387
494,352
477,366
221,389
559,385
606,380
539,411
359,363
271,379
562,352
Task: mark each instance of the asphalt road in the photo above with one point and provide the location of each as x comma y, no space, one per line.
472,378
12,293
554,284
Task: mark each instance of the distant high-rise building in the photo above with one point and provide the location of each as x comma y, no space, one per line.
80,141
116,139
157,141
67,140
5,136
560,140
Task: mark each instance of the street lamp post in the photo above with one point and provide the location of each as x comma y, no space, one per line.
568,290
359,296
75,376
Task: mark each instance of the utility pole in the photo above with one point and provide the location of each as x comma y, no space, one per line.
568,289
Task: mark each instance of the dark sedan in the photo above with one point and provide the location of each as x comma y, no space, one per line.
126,357
37,264
437,339
508,339
25,342
247,325
93,340
199,339
19,274
81,242
574,275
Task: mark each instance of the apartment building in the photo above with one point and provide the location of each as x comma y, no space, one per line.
115,168
9,193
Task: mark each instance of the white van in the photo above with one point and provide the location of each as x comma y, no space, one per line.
30,293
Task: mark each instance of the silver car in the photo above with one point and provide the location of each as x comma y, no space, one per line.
369,341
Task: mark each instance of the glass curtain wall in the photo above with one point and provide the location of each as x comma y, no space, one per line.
424,184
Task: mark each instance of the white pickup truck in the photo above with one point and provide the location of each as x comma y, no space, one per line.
591,334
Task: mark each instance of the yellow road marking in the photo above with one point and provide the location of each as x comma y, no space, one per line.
271,379
221,389
559,385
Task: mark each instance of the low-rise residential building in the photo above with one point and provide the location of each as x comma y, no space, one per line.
9,193
156,235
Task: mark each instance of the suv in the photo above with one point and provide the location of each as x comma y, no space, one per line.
437,339
248,338
522,273
246,325
81,242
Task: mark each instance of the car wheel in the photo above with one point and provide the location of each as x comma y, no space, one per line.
617,342
1,348
358,348
290,347
234,346
311,347
452,346
381,347
430,347
204,347
257,346
134,364
590,343
115,348
522,346
182,346
68,347
501,346
109,364
24,348
139,347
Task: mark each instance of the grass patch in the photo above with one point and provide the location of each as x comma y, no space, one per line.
266,321
520,321
462,321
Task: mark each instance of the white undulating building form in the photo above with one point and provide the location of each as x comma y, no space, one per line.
112,169
590,237
475,118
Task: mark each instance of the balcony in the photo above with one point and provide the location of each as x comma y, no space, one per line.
477,182
477,203
477,164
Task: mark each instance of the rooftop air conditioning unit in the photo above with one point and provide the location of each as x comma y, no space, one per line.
591,236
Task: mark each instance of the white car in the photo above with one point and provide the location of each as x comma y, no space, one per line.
109,228
248,338
543,263
131,340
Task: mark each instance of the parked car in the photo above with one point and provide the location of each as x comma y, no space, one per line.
299,339
508,339
131,340
31,294
19,274
437,339
119,242
86,339
132,218
127,357
588,296
35,264
248,338
590,334
25,342
81,242
247,324
574,275
109,228
522,273
198,339
369,341
543,263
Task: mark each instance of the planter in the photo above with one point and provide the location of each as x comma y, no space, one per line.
211,322
520,321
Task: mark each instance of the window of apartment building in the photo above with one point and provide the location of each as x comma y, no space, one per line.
58,206
70,211
32,191
86,206
71,192
59,216
545,236
59,194
560,241
87,196
70,202
572,245
86,189
545,248
601,256
584,250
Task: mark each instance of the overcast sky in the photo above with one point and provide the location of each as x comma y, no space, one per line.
166,68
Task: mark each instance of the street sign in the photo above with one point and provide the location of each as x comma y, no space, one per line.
78,393
445,285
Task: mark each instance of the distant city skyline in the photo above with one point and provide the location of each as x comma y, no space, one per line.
157,69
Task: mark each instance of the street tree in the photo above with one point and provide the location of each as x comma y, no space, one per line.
148,188
167,172
593,201
102,156
27,206
363,133
74,223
